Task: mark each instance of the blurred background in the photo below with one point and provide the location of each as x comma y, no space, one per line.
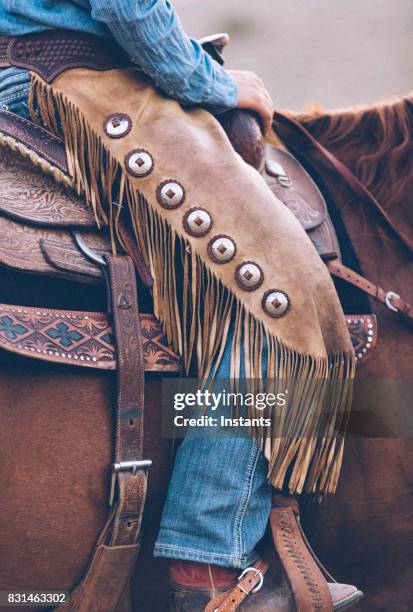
333,52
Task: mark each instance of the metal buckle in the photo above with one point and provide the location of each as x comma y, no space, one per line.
391,295
257,573
125,466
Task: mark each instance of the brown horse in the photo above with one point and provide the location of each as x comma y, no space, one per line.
364,533
56,422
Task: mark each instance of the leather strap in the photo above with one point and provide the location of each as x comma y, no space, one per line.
250,581
308,585
129,469
116,550
106,578
389,298
130,243
302,143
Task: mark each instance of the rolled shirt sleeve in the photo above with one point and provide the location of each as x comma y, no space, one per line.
152,35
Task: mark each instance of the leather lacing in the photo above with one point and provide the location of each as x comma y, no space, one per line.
287,531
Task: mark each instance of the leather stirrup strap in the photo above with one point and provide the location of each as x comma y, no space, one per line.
129,469
308,585
130,242
389,298
303,144
249,582
107,578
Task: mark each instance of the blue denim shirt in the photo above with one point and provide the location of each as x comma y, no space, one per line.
149,31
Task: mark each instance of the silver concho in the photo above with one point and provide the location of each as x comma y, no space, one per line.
249,276
197,221
117,125
170,194
222,249
275,303
139,163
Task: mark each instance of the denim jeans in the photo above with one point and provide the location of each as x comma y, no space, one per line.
218,501
14,91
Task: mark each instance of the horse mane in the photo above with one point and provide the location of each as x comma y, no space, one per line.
381,135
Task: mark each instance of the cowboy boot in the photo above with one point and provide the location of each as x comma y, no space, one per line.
199,587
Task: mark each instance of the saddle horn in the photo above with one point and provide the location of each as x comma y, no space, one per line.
244,131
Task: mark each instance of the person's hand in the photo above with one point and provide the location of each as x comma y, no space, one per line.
253,95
